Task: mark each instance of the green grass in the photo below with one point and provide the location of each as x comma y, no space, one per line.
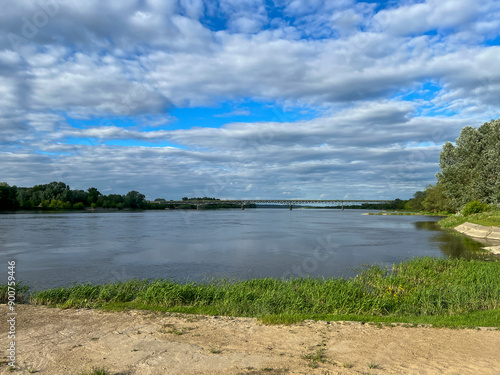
488,218
442,292
315,358
409,213
96,371
22,293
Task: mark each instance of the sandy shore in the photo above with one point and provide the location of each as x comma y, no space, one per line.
54,341
489,236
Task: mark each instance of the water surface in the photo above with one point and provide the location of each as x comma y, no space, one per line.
56,249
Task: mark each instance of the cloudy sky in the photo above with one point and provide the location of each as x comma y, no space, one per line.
242,98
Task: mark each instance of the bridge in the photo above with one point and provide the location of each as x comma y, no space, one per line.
289,202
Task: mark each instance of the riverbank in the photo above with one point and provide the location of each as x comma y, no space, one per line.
71,341
484,227
489,236
443,292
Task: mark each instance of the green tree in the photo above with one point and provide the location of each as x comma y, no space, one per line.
114,201
470,169
93,195
135,200
435,200
8,197
415,204
24,198
78,196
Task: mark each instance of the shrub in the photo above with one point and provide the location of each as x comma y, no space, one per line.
474,207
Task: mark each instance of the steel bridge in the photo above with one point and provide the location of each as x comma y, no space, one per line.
288,202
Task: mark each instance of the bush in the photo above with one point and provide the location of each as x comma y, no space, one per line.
474,207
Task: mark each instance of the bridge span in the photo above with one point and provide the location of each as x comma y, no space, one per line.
289,202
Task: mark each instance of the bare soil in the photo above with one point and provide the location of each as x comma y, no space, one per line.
55,341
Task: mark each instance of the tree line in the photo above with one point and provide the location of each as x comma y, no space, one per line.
58,195
469,173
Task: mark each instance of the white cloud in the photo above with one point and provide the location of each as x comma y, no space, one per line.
357,66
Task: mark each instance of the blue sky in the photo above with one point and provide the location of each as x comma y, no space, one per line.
242,99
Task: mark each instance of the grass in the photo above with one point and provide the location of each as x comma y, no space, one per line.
442,292
172,330
22,293
373,365
316,358
488,218
96,371
409,213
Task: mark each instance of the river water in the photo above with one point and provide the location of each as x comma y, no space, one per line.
58,249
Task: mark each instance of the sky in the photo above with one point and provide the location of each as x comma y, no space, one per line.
257,99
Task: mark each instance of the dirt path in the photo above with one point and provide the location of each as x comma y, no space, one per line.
54,341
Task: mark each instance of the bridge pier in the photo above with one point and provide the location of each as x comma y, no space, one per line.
243,207
290,207
342,206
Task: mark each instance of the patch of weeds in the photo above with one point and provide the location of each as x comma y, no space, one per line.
374,365
31,370
96,371
192,319
134,350
215,351
172,329
347,365
316,358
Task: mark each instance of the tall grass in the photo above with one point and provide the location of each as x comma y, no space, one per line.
417,288
21,293
90,295
488,218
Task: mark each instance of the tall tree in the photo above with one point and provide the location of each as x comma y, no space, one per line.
8,200
470,169
93,195
435,200
134,199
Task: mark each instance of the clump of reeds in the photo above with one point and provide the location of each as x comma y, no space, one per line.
420,287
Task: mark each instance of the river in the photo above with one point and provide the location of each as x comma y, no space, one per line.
57,249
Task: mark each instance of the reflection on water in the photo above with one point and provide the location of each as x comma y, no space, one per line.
59,249
452,244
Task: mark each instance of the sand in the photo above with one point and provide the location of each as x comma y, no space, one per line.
55,341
